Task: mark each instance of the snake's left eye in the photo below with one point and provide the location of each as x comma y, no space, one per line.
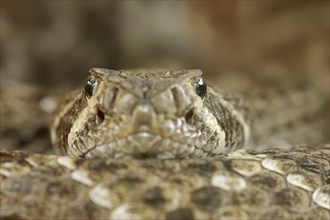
90,86
200,87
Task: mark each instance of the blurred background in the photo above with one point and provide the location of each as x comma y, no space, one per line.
237,44
55,43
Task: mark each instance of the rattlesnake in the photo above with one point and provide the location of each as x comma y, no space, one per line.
190,135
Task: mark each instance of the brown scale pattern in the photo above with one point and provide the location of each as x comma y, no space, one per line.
241,185
63,128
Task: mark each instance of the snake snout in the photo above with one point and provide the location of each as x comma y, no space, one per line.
143,118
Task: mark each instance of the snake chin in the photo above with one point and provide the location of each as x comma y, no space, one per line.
146,145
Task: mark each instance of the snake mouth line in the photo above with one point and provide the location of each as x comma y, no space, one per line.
146,146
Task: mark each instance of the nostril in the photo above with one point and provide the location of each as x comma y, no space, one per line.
188,116
99,117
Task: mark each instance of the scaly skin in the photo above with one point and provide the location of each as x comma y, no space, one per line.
158,113
280,183
273,184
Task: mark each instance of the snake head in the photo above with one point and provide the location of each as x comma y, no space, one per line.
142,113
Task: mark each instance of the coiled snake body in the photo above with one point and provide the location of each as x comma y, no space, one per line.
189,134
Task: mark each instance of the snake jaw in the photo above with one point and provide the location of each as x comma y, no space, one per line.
144,145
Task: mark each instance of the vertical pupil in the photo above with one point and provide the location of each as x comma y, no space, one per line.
89,87
200,88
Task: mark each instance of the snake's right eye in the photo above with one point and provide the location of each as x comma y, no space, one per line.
90,86
200,87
